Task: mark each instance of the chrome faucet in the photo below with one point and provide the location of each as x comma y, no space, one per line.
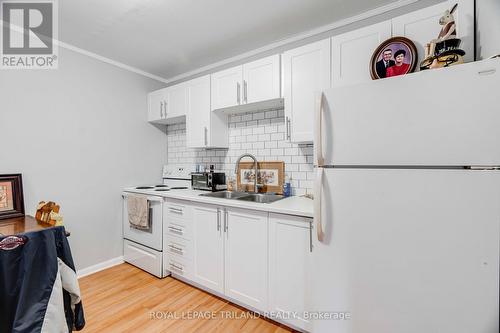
255,167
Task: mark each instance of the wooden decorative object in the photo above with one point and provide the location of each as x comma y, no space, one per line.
271,177
11,196
48,213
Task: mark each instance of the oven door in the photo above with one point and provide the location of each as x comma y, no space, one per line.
151,237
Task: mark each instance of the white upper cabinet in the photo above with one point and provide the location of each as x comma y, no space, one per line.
176,101
227,88
253,82
157,105
422,26
208,247
289,247
198,115
246,257
261,80
306,72
204,129
167,105
352,52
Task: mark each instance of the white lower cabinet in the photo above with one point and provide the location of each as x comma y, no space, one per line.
289,247
178,240
208,269
246,257
254,258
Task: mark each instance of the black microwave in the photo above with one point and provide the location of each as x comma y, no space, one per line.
209,181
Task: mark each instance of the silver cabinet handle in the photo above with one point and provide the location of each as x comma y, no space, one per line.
238,92
165,109
218,219
310,236
175,210
206,136
174,266
226,223
174,229
287,125
245,93
161,109
176,248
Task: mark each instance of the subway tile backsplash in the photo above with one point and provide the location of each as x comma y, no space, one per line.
259,133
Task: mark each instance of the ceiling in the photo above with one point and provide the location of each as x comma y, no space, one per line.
170,37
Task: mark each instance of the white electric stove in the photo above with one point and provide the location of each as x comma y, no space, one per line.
144,247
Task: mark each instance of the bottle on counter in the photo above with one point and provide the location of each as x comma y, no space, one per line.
287,186
230,184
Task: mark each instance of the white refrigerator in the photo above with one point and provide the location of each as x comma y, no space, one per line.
407,204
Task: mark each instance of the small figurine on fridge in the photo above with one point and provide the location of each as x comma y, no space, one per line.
444,51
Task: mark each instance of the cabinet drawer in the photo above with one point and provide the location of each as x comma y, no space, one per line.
179,266
143,257
177,210
178,247
178,229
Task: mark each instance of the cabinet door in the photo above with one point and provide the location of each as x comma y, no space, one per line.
289,248
156,105
421,26
208,247
352,52
198,115
227,88
246,257
261,80
177,101
306,71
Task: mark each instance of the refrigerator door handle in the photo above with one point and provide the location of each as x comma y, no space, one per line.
318,140
318,183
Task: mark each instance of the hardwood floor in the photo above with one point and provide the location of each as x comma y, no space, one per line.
126,299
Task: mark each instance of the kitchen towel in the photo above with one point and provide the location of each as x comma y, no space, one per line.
138,211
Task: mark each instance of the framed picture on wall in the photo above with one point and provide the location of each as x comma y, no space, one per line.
11,196
271,176
396,56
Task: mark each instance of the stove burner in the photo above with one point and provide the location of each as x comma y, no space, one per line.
162,189
179,188
161,185
144,187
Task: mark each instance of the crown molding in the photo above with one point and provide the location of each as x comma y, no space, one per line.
97,56
110,61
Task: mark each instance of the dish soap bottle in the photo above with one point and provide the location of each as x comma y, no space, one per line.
287,186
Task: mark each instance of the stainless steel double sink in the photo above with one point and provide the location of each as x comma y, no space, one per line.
245,196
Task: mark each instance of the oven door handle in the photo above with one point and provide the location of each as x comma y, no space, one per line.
154,199
149,198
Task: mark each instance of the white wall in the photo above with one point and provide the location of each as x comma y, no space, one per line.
78,135
488,28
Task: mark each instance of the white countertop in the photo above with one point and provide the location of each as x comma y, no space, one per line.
298,206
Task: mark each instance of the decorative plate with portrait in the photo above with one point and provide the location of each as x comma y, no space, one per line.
396,56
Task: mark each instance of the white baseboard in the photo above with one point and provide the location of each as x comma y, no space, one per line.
99,267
